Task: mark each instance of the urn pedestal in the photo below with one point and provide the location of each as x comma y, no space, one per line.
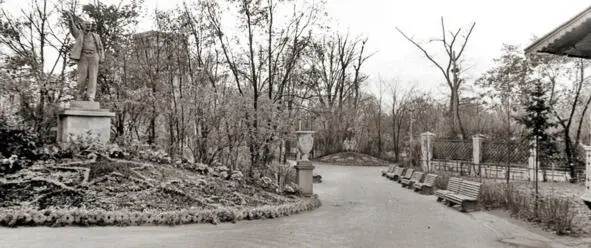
304,167
82,118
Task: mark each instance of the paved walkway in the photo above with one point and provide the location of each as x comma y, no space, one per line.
360,209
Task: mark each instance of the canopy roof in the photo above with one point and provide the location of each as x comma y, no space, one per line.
572,38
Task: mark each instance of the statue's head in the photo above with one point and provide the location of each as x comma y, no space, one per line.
86,26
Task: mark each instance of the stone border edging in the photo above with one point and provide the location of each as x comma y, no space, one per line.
83,217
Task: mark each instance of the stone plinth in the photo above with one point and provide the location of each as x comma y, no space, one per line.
82,118
304,177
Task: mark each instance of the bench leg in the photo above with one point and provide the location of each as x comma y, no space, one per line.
425,191
472,206
463,207
439,199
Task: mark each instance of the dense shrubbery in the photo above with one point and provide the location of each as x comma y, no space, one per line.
18,149
554,213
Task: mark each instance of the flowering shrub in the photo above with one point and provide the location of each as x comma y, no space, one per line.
83,217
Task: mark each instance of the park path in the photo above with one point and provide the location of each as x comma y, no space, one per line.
360,209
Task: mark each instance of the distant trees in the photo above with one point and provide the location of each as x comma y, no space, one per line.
39,81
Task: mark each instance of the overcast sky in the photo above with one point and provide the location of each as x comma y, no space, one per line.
497,22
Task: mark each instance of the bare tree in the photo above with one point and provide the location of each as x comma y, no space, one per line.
400,115
454,44
39,80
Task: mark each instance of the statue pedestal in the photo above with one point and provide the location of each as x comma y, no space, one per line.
304,177
82,118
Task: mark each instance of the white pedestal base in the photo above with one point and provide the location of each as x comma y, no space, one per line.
83,118
304,177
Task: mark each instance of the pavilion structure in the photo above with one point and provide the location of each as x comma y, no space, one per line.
572,39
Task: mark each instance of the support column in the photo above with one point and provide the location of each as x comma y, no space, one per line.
477,151
426,150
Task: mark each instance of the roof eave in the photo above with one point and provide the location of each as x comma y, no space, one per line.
555,34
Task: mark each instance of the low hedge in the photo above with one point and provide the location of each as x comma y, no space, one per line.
83,217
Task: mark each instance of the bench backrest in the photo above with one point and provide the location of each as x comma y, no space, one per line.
430,180
454,184
417,176
470,189
409,172
400,171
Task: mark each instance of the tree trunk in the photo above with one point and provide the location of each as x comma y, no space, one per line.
570,155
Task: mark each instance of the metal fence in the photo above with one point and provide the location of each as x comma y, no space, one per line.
507,152
452,149
500,160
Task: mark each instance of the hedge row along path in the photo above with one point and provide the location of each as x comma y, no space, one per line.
359,209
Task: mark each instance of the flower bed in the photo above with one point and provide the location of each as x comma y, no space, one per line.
82,217
118,192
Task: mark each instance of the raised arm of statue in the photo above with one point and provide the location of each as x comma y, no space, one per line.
73,27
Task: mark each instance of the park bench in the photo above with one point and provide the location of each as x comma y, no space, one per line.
468,196
416,177
407,174
426,187
453,186
390,169
396,174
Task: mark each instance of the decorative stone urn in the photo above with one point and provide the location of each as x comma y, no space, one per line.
304,167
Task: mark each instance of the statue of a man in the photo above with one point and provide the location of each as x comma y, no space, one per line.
88,52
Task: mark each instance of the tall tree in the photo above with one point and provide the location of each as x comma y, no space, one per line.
537,120
262,67
504,84
39,80
566,81
454,44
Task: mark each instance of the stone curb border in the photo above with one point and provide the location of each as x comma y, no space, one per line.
84,217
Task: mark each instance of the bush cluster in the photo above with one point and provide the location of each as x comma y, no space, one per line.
83,217
555,213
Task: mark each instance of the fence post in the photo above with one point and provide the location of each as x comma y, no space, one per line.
426,150
477,151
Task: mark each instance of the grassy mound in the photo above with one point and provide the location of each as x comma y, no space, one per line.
119,186
352,159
